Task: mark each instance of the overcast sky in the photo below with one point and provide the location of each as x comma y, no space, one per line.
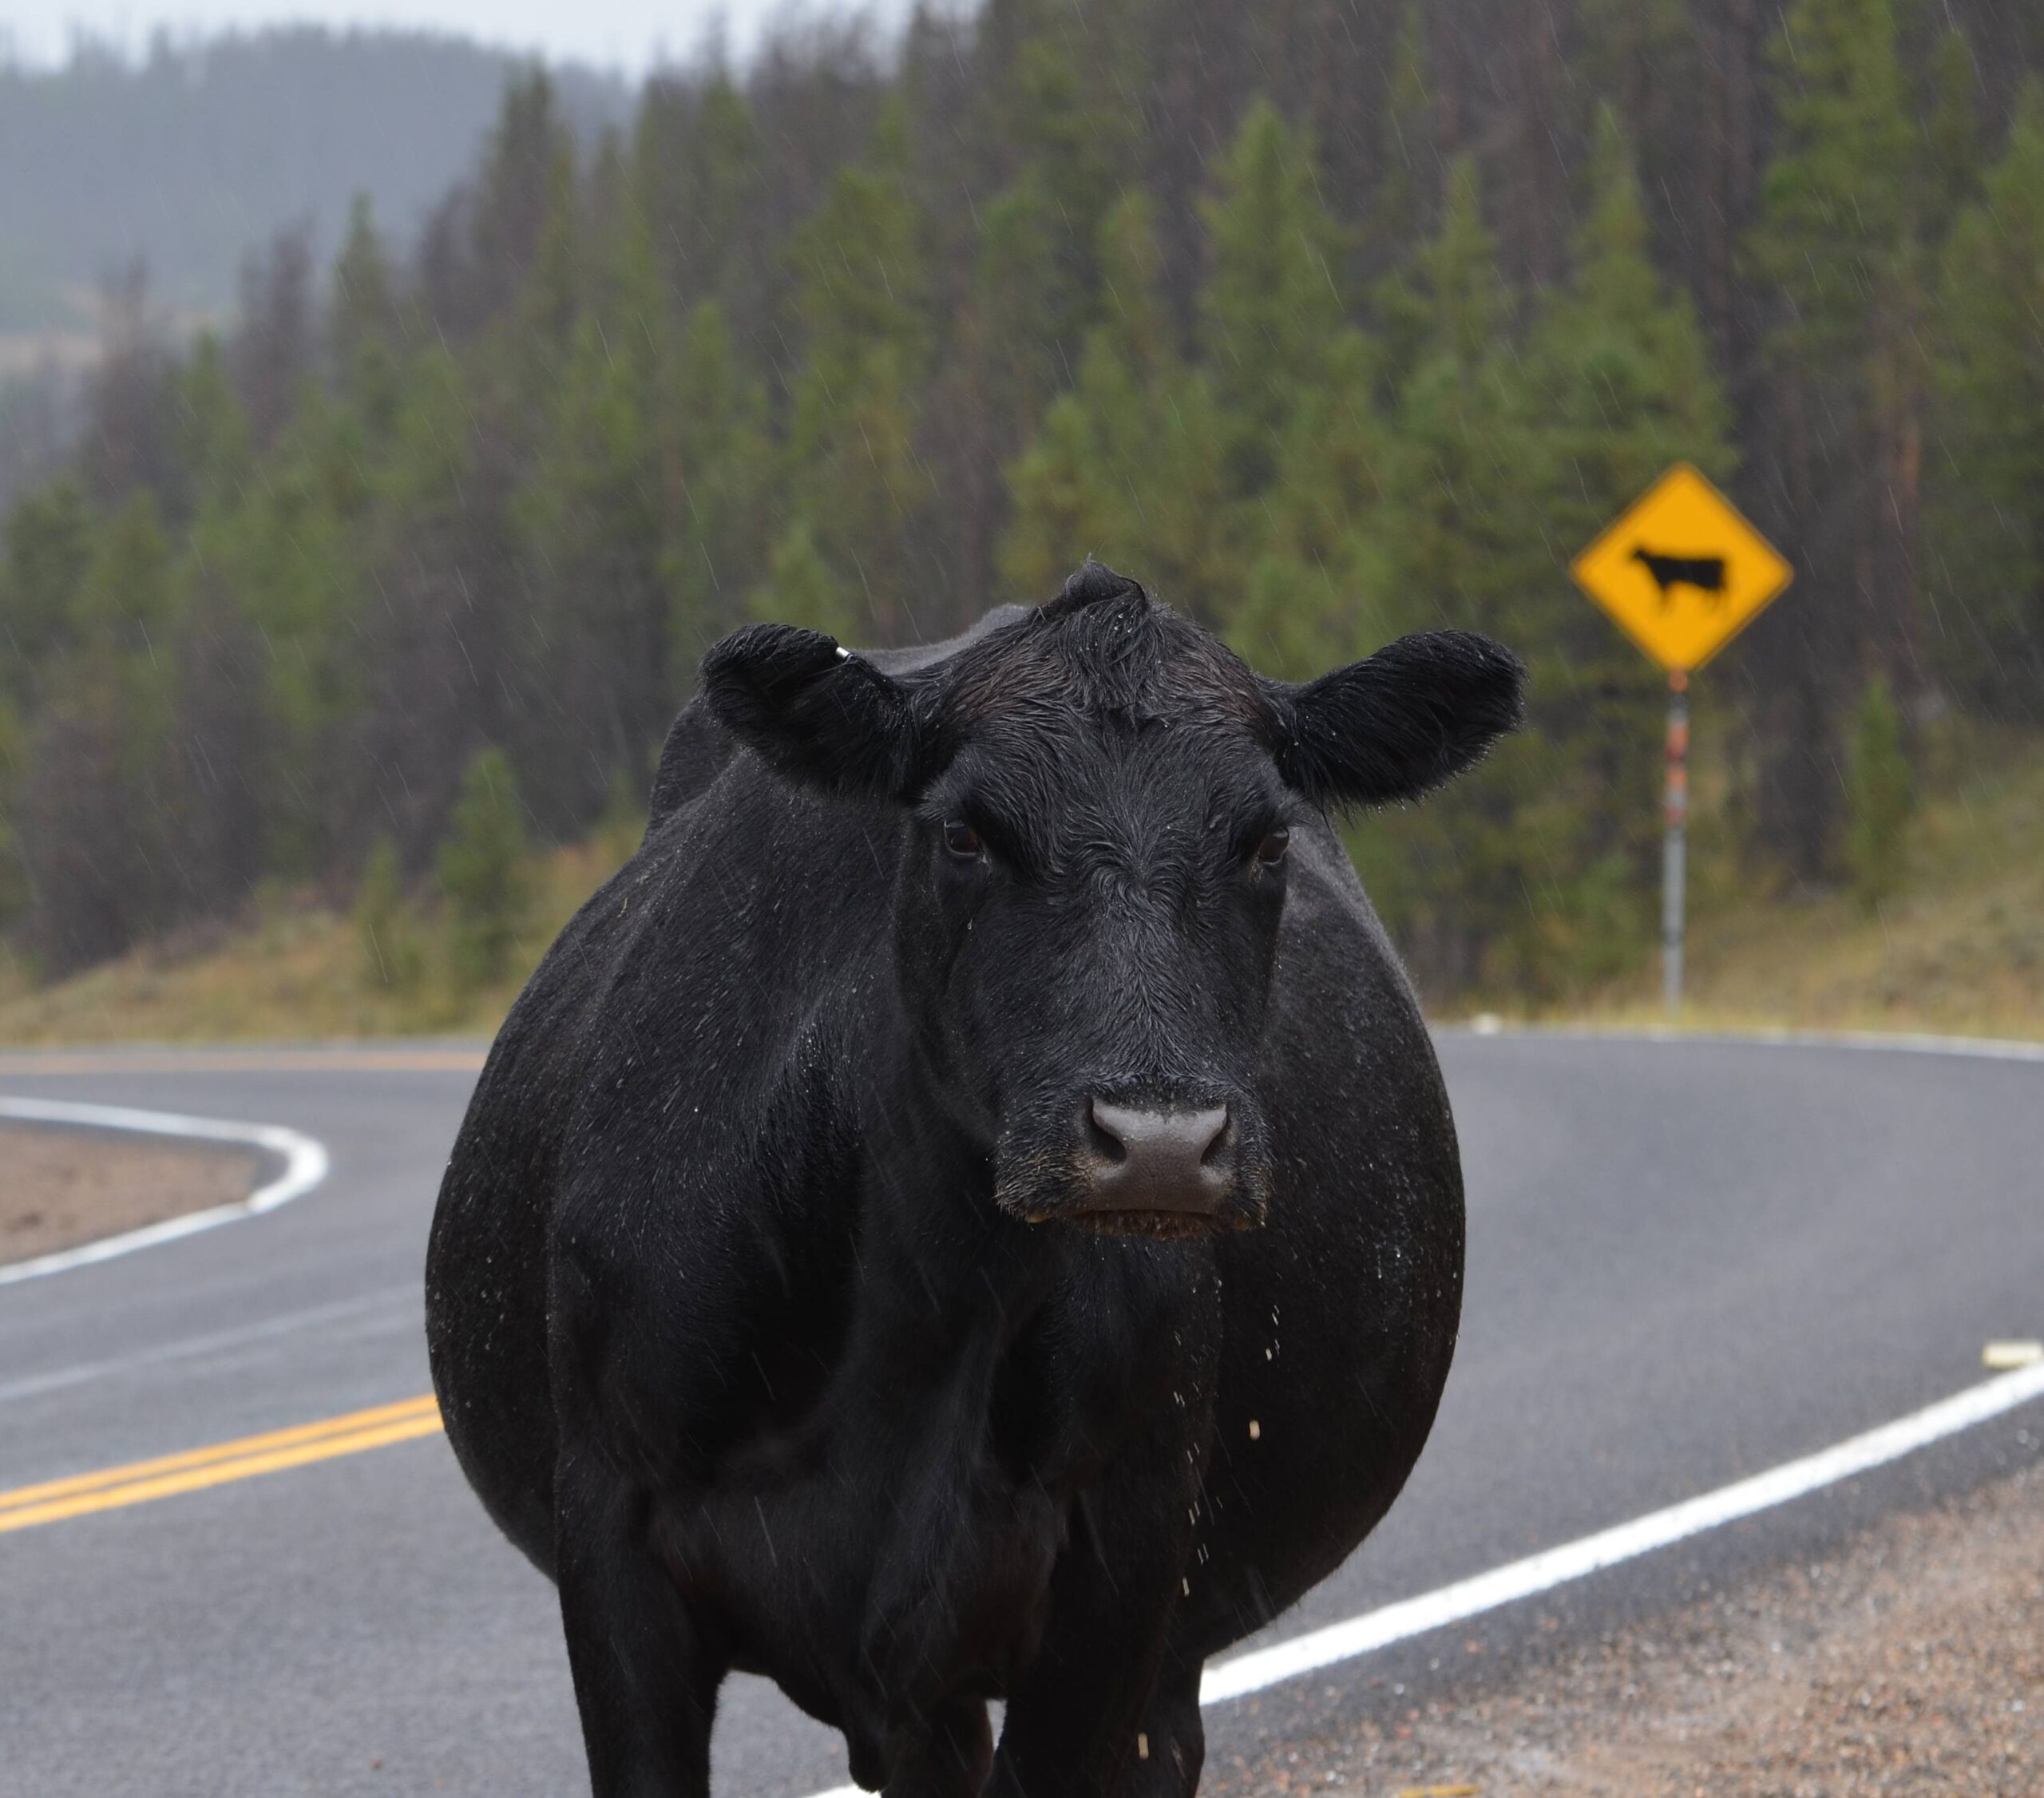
625,34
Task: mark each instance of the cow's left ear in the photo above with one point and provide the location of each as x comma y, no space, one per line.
1399,722
816,712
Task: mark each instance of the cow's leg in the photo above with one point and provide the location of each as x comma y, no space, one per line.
948,1756
1072,1722
645,1681
1170,1741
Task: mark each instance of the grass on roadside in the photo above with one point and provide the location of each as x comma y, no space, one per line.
1960,948
299,971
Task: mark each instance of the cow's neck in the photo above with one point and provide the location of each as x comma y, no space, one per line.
935,1246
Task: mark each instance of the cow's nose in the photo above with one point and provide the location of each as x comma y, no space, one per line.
1159,1161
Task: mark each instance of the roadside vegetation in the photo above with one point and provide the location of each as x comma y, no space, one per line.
1951,938
297,967
1955,945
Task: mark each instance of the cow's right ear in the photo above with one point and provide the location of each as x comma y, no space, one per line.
815,711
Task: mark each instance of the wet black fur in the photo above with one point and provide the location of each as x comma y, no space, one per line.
755,1310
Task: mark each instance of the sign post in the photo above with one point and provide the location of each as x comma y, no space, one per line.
1674,845
1681,572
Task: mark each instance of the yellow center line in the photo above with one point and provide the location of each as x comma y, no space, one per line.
138,1481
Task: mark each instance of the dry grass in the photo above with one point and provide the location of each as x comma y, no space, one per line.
1960,950
298,973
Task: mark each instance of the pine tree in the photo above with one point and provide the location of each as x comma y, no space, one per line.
1402,207
1988,475
1271,309
1126,466
363,322
216,442
518,197
1005,359
49,546
854,482
696,159
719,481
1062,126
127,601
1319,584
99,798
1021,290
552,296
1461,459
594,544
1461,519
1879,794
482,871
802,588
1951,128
1838,246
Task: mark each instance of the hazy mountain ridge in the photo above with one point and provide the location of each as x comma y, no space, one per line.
191,157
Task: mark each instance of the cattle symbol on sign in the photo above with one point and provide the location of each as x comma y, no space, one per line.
1704,573
1681,571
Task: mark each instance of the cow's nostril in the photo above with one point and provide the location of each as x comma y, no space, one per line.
1100,1136
1222,1146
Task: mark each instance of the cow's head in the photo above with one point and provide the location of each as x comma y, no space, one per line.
1101,798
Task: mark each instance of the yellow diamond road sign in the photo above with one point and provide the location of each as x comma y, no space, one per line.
1682,571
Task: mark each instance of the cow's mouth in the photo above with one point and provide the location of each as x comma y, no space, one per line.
1160,1224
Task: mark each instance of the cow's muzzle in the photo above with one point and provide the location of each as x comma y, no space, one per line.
1157,1171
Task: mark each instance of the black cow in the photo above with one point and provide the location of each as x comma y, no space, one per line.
1706,573
970,1210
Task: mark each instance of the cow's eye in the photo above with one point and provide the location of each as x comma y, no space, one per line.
962,840
1271,849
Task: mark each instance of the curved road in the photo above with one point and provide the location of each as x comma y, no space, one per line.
1690,1260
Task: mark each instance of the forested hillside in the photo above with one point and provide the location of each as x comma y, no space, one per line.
186,159
1328,319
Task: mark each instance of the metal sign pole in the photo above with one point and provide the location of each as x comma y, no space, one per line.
1675,848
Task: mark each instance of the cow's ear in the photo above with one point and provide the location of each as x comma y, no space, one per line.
1396,724
818,713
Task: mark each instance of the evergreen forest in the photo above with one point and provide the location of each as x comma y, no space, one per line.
1327,320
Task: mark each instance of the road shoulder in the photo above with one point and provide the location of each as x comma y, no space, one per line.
1907,1661
64,1186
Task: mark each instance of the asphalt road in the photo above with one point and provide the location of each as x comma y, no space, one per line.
1689,1261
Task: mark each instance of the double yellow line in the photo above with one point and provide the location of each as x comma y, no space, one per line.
193,1471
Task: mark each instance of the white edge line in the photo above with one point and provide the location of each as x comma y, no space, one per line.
1896,1042
1624,1542
305,1158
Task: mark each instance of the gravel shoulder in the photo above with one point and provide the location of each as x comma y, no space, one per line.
1910,1663
62,1187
